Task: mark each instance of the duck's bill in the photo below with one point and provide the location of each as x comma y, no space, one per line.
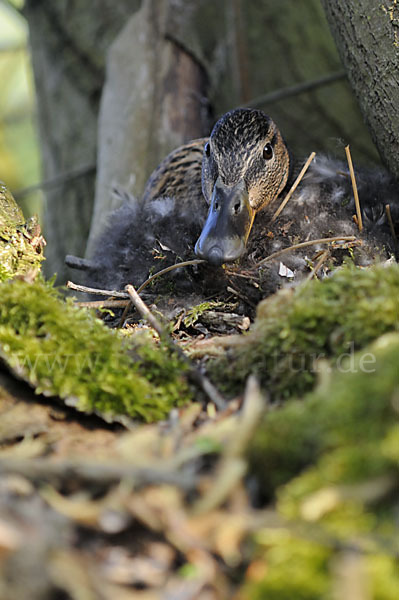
227,227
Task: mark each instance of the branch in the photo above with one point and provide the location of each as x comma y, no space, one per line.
294,186
343,238
186,263
195,374
95,472
89,290
295,90
56,181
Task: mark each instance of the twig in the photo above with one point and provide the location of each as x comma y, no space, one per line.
319,263
126,311
294,186
232,467
344,238
96,472
240,295
390,221
146,313
56,181
354,186
89,290
186,263
196,376
104,304
243,275
295,90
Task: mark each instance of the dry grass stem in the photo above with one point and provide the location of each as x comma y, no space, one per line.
241,296
89,290
319,264
104,304
343,238
390,221
195,375
294,186
354,186
186,263
145,311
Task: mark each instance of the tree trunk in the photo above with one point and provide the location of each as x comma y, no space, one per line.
246,47
154,100
68,42
367,36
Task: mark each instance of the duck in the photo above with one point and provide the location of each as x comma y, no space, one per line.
213,199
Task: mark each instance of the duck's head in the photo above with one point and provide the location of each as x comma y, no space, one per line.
245,166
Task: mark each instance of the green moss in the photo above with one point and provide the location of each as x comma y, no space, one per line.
327,319
350,412
10,213
307,570
21,246
67,352
197,311
332,462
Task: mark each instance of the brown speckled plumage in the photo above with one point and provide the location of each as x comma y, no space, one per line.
237,142
178,175
245,148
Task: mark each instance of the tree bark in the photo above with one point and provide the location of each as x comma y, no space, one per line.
246,47
367,37
154,100
68,42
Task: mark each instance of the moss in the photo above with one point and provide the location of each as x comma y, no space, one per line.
307,570
327,319
21,245
351,411
295,569
10,213
67,352
198,310
331,459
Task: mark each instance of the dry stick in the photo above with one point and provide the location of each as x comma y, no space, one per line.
343,238
89,290
186,263
354,186
56,181
145,311
119,294
241,296
104,304
294,90
319,263
294,186
112,472
197,377
390,221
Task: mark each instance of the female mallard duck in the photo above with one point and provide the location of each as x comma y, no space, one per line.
203,199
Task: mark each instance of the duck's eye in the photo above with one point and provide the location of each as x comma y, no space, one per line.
268,152
207,149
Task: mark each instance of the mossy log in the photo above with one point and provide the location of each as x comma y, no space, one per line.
66,352
296,329
21,244
332,460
